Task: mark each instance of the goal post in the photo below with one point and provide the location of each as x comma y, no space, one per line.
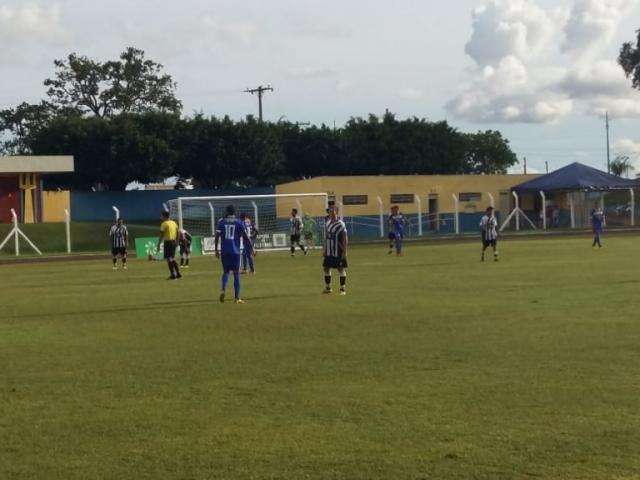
269,214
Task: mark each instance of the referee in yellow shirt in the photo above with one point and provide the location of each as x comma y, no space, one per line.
169,235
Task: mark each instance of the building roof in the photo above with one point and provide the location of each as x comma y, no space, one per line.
576,177
37,164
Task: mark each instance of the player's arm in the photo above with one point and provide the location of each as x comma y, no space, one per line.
344,243
216,243
162,230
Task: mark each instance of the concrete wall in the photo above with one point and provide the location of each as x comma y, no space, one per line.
139,205
54,203
440,187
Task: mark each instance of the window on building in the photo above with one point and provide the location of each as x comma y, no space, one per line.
470,197
355,199
402,198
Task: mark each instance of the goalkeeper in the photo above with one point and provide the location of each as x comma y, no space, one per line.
308,231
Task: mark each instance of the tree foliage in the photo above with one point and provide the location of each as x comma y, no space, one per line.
132,84
629,59
121,121
621,165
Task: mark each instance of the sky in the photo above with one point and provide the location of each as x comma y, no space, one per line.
542,72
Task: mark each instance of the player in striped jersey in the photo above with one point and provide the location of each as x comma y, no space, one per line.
489,229
119,237
335,250
248,254
296,232
184,241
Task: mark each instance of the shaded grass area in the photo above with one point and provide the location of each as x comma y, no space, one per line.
92,237
434,366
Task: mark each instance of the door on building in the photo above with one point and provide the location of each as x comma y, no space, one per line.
9,198
432,212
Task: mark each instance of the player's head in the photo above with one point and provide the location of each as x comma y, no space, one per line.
333,212
489,211
243,216
164,215
294,212
230,211
119,221
394,209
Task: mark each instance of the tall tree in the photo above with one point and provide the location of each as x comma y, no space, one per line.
17,124
488,152
621,165
629,59
132,84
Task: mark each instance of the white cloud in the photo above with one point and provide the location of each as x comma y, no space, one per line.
243,32
30,24
411,94
521,74
592,24
310,72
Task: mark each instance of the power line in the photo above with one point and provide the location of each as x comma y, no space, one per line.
260,91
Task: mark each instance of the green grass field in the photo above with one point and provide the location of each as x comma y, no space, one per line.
433,367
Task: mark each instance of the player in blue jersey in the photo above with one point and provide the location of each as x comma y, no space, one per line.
397,222
597,222
229,232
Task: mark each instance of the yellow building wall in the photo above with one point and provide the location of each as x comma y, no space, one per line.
425,186
54,204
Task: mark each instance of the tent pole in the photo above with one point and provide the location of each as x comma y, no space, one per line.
544,210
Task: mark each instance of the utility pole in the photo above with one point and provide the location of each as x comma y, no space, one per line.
260,91
608,147
525,165
546,166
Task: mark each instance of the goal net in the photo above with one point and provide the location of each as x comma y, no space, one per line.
269,214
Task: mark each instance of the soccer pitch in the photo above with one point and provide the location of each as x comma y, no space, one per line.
433,366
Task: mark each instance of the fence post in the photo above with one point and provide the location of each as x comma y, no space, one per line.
456,217
381,217
67,228
633,207
14,217
572,211
544,210
517,209
419,202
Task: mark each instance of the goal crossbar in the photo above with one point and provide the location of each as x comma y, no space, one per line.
246,197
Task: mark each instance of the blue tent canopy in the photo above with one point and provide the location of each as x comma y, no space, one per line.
576,177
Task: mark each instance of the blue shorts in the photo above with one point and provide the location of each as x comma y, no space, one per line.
230,262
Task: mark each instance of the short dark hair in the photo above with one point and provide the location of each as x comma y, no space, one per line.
294,210
243,216
120,219
230,210
164,214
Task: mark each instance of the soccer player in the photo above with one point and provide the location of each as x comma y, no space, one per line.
119,236
184,240
247,254
597,222
231,230
308,231
335,250
296,231
169,240
397,222
489,229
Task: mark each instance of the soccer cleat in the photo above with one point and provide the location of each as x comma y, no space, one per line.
327,290
178,277
243,272
306,252
238,300
343,292
172,277
124,267
221,297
